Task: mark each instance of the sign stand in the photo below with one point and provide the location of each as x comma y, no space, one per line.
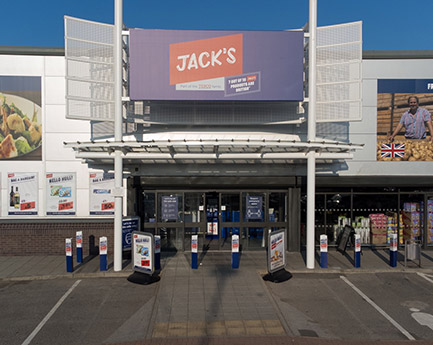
157,253
323,251
79,240
143,259
235,251
357,251
69,256
103,253
393,250
194,252
343,238
277,257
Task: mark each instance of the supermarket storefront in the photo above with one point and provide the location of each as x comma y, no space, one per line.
218,214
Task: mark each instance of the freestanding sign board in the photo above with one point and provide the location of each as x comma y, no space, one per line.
143,252
129,225
277,251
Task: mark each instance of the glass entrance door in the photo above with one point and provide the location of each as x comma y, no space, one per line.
212,231
195,219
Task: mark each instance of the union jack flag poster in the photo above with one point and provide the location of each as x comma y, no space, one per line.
392,150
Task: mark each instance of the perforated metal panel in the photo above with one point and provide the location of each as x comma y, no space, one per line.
89,52
339,76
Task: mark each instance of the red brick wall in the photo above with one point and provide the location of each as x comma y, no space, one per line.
48,238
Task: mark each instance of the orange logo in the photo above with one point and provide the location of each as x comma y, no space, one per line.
205,59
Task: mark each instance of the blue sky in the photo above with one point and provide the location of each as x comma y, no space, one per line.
387,24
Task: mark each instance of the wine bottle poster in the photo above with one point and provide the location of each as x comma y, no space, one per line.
60,194
101,193
23,193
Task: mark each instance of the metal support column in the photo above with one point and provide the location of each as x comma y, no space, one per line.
118,163
311,162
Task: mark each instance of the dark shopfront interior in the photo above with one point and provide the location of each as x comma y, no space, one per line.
374,212
215,215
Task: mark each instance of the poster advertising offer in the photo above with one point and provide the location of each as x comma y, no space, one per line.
216,65
23,193
21,129
413,141
276,251
143,252
61,194
101,193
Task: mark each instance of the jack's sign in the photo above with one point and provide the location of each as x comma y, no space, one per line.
216,65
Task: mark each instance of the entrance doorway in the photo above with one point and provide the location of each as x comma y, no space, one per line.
214,216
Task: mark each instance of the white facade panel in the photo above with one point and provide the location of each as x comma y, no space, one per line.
55,66
55,90
56,122
397,69
21,65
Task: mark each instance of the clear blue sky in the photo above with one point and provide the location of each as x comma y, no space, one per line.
387,24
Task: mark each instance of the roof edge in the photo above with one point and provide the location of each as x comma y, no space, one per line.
396,54
27,50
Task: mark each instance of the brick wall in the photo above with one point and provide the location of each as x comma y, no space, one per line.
48,238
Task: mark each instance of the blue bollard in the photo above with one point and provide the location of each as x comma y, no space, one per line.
194,251
69,256
79,241
103,253
157,252
393,250
323,251
235,251
357,251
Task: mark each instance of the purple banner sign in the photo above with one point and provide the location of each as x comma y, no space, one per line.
216,65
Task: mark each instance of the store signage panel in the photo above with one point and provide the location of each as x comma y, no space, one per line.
216,65
23,193
254,207
392,103
60,193
169,207
101,193
129,225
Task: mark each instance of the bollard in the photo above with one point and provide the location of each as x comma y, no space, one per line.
194,251
357,250
235,251
79,241
157,252
393,250
103,253
69,256
323,251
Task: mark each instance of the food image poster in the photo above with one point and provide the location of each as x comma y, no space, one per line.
21,118
392,102
101,193
61,193
277,251
23,193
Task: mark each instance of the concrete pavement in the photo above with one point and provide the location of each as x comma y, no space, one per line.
216,304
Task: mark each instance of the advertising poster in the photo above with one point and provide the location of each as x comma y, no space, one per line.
21,113
61,194
254,207
23,193
101,193
143,252
129,225
216,65
411,142
276,251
